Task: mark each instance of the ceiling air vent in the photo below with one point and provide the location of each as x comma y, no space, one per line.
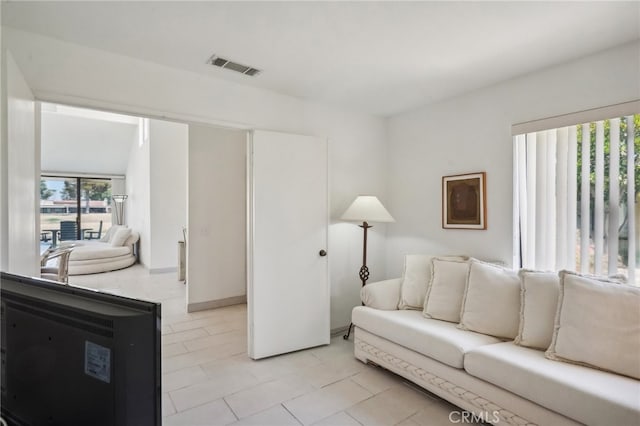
233,66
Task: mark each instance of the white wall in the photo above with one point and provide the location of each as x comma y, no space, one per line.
168,197
138,189
23,169
4,176
472,133
216,248
63,72
156,183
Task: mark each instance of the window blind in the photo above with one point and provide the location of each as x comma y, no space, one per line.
568,208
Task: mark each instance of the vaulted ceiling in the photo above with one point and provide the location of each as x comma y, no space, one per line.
79,141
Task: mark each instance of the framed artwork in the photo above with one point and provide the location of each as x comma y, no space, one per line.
464,201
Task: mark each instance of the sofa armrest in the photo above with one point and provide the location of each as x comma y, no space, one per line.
384,295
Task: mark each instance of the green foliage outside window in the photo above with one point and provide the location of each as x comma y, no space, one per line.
622,176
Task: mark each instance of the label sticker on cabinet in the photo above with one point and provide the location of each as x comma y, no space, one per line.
97,361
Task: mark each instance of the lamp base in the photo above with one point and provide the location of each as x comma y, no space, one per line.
346,336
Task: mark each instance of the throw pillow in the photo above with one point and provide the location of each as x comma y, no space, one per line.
597,324
443,300
491,302
120,237
538,305
415,278
105,237
109,234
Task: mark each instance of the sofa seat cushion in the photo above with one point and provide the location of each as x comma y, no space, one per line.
586,394
437,339
98,250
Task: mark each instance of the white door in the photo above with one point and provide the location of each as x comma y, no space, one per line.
288,285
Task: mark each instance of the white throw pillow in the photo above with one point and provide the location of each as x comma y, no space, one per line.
597,324
539,302
106,238
491,303
120,237
415,278
443,300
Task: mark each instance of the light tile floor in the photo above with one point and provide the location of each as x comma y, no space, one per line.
208,379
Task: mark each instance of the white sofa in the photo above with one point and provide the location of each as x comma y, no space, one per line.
499,381
107,254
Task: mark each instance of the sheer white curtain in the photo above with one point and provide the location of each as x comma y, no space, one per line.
547,234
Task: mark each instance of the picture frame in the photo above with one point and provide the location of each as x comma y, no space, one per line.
464,201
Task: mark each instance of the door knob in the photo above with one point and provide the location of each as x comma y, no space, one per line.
322,253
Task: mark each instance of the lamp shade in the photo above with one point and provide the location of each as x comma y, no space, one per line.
367,208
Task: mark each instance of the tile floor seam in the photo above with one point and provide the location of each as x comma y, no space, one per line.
190,384
290,413
173,404
229,406
196,406
345,378
358,384
406,418
186,340
256,385
356,420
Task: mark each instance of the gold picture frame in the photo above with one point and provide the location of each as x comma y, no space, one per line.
464,201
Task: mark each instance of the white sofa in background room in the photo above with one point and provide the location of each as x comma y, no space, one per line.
518,348
117,249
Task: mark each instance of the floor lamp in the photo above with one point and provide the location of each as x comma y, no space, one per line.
119,208
365,209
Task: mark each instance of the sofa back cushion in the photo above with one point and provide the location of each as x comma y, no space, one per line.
415,278
443,300
597,323
491,303
538,305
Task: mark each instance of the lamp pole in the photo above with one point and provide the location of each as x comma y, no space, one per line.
364,270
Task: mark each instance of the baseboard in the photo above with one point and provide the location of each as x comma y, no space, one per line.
163,270
339,330
212,304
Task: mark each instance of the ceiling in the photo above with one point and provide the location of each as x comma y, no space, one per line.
77,140
378,57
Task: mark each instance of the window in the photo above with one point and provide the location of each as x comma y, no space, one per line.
576,194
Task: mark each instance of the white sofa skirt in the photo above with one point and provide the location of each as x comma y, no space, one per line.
96,266
453,384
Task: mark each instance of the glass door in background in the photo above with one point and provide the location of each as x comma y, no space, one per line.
95,207
58,208
73,208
